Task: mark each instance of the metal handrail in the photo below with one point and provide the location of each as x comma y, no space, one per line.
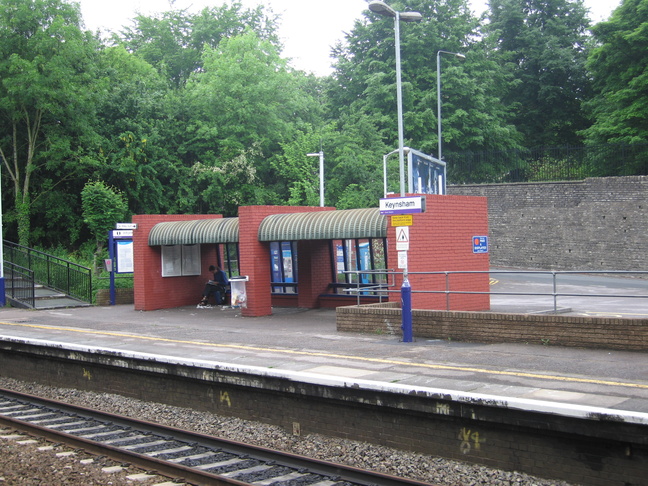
554,273
54,272
379,289
19,283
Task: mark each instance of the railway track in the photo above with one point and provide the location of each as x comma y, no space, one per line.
195,458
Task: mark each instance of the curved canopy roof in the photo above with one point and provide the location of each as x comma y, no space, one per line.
320,225
221,230
324,225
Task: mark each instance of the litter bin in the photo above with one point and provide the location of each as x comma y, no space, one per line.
239,295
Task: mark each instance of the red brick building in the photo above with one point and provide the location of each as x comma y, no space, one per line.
296,256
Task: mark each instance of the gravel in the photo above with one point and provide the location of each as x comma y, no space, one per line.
26,465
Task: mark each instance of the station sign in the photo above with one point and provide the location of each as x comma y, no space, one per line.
402,220
122,234
480,244
402,205
402,238
402,260
126,226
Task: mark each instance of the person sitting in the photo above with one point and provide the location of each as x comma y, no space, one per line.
216,286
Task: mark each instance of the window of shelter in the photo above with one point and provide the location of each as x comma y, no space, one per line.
283,266
355,255
228,259
180,260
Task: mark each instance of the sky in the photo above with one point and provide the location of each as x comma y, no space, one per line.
307,32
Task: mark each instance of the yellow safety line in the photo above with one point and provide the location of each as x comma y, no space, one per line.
341,356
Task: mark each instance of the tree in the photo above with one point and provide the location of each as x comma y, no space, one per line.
45,98
299,171
543,44
135,120
246,101
103,206
619,66
174,41
365,80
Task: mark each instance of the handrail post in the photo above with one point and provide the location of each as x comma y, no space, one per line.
406,309
555,295
357,288
447,285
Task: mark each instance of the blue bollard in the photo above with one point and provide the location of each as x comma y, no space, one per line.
406,310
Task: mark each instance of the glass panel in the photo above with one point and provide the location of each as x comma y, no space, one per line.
358,255
283,261
191,260
171,261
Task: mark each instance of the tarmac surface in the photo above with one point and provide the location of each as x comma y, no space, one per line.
306,341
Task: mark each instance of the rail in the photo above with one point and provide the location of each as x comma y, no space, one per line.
176,453
555,294
54,272
19,283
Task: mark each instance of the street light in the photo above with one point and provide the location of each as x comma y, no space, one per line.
385,157
460,56
320,154
381,8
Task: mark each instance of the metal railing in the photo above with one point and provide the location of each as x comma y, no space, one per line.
379,290
54,272
544,164
447,291
19,284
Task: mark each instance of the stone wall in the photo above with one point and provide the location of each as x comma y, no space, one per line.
595,224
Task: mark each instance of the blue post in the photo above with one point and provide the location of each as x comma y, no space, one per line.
111,255
406,309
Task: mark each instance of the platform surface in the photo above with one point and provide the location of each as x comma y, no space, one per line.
306,341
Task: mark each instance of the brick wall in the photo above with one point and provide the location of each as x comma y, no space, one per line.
486,327
595,224
314,271
441,240
150,290
122,297
594,450
255,255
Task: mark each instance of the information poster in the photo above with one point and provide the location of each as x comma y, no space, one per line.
172,261
125,256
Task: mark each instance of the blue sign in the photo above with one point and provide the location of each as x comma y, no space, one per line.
480,244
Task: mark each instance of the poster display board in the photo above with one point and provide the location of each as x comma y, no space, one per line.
426,174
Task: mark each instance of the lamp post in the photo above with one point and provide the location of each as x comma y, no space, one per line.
460,56
320,154
385,157
381,8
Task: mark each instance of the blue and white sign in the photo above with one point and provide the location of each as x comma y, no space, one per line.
480,244
402,205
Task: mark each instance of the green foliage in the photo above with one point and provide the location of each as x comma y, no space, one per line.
103,206
299,171
200,113
543,45
473,117
174,41
548,169
46,100
619,65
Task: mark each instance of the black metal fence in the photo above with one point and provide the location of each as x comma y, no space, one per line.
19,283
545,164
62,275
